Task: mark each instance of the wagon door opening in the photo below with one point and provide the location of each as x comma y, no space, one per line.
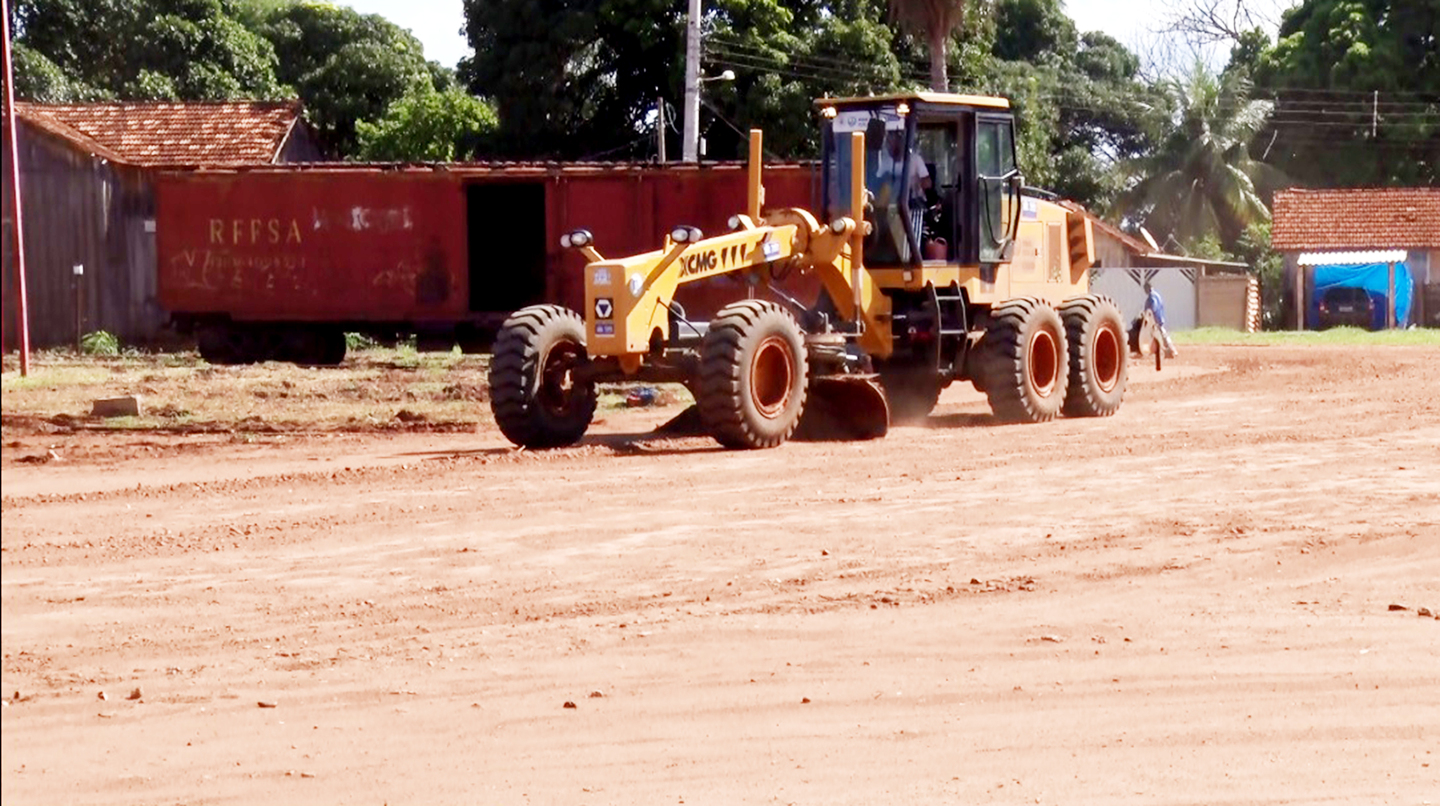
505,225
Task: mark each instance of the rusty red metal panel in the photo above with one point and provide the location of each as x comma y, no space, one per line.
356,244
361,246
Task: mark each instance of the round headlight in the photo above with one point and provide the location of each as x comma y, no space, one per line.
565,240
680,234
838,226
636,284
734,222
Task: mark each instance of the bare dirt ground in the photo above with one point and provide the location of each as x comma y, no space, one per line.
1188,603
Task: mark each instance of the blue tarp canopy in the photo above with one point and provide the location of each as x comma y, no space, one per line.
1375,279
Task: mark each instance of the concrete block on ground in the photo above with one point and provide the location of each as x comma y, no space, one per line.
116,407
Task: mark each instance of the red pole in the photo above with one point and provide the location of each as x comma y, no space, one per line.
12,158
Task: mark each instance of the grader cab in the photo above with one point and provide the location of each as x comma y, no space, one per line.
936,264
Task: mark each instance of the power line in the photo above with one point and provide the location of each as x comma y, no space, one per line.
821,67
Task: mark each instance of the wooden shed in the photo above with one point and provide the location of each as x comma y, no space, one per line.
87,182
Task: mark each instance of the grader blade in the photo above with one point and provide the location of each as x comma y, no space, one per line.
685,424
844,408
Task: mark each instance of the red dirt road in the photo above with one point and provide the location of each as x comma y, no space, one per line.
1188,603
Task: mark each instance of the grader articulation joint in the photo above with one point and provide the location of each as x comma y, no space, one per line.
935,266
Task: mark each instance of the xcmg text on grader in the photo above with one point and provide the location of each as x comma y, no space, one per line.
936,265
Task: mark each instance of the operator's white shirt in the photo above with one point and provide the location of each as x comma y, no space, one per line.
890,171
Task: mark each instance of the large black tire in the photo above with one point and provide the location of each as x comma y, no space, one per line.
534,395
1098,356
912,395
754,375
1024,361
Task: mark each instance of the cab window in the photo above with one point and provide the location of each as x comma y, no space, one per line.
937,147
999,187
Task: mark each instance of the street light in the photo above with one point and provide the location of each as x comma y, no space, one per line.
691,134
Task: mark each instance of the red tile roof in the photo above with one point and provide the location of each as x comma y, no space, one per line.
202,134
1356,218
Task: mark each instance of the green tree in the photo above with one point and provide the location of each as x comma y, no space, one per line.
345,66
1357,85
39,79
935,21
157,49
571,77
581,78
428,126
1079,104
1201,180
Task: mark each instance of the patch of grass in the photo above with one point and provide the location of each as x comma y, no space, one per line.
1351,336
100,342
55,375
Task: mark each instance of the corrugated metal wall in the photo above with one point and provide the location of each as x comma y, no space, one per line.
81,211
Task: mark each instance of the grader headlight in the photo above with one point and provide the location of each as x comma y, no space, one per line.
685,234
576,239
636,284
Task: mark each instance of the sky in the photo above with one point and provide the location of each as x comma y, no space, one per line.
437,23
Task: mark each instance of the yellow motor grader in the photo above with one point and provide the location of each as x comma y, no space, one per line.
936,264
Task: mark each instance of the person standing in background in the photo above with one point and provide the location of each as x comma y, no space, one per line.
1155,306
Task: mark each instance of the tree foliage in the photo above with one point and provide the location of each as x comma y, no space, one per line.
1357,84
1080,106
1200,180
77,50
430,126
346,66
935,21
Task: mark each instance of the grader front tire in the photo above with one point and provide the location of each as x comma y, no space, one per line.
534,394
1025,361
754,376
1098,356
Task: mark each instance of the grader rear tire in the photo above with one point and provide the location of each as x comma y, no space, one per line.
534,395
1098,356
754,376
1025,361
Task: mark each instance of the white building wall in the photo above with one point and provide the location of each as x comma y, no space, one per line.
1176,287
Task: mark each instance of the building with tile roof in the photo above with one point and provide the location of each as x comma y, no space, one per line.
179,135
87,176
1315,222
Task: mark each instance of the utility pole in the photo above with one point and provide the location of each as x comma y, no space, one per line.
12,175
660,127
690,138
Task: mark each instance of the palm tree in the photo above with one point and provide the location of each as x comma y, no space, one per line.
1201,179
934,20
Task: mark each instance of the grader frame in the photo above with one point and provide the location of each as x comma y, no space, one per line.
882,340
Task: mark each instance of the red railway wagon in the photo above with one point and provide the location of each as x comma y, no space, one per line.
280,262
